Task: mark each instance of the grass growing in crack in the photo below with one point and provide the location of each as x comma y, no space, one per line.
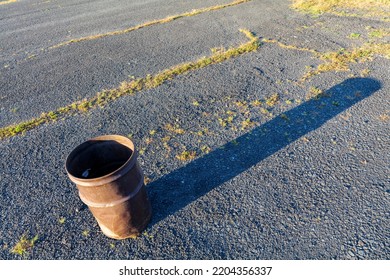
7,2
384,117
316,93
147,180
205,149
379,33
174,129
265,112
247,123
256,103
24,245
217,50
228,120
272,100
290,47
186,155
128,88
284,117
154,22
365,72
341,60
354,35
195,103
237,115
364,8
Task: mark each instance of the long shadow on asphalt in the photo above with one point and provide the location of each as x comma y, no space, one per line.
174,191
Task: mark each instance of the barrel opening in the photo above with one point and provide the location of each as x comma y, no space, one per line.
97,158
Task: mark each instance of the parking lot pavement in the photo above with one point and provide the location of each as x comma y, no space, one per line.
275,152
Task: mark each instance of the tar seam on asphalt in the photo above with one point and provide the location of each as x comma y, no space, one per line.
150,23
128,88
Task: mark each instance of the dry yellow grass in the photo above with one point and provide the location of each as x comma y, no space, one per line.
379,33
127,88
7,2
365,8
290,47
342,59
384,117
186,155
153,22
24,245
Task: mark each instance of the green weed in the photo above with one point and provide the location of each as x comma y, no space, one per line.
354,35
362,8
128,88
24,245
272,100
186,155
342,59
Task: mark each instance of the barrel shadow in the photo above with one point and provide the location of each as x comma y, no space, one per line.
179,188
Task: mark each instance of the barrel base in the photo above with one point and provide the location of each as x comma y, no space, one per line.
107,232
131,234
127,219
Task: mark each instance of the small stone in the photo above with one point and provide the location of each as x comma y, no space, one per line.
361,252
351,253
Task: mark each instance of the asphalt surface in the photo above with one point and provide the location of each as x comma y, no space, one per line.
307,179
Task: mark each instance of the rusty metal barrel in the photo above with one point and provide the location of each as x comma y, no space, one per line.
111,183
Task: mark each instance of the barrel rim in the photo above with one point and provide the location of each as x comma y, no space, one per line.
110,177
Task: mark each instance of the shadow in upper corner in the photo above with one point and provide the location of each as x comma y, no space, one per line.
179,188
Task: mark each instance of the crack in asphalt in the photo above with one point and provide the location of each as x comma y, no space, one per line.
128,88
151,23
